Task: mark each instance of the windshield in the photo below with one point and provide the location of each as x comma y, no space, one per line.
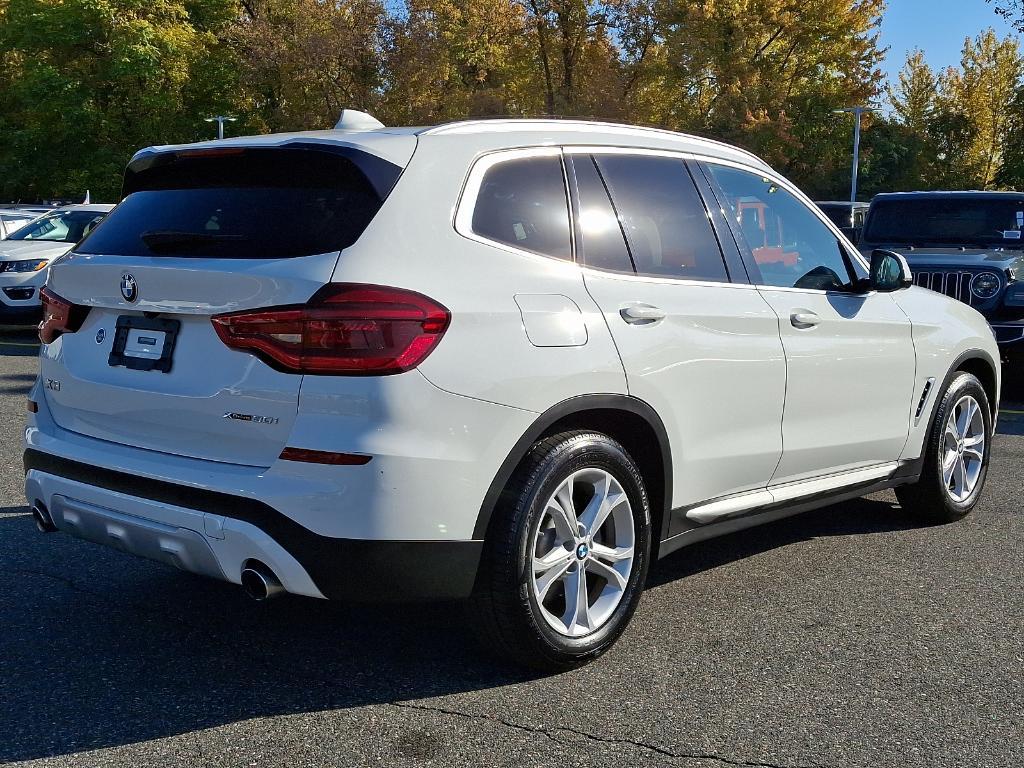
60,227
982,222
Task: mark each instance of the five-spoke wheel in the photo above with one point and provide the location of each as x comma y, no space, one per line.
566,553
583,552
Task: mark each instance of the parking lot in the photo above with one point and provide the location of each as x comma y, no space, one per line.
845,637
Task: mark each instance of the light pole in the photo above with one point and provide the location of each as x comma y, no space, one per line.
856,112
220,120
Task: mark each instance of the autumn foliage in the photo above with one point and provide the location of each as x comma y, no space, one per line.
84,83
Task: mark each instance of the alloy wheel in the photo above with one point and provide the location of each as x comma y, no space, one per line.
583,552
963,449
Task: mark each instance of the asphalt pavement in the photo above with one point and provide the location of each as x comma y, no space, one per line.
850,636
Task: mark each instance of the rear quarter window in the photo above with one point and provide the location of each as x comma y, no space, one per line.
522,202
245,203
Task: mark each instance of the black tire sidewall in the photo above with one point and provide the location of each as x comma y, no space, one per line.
963,384
583,452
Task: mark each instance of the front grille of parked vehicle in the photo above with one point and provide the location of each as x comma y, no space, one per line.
955,283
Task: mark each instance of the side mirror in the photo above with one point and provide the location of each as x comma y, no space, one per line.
889,272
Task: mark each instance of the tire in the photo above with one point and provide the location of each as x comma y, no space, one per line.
936,497
524,610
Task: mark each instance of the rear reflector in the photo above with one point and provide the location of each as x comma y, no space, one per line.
344,329
33,406
324,457
59,316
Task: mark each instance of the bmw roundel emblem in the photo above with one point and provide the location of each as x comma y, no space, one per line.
100,336
582,551
129,288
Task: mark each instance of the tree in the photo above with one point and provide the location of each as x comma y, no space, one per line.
85,83
981,93
576,56
303,61
447,59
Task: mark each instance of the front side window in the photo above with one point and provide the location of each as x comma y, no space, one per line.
792,247
522,203
666,224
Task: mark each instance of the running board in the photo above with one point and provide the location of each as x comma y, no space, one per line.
744,503
787,500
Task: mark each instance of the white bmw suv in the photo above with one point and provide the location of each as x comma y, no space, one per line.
508,360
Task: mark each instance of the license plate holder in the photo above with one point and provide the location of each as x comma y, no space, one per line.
144,343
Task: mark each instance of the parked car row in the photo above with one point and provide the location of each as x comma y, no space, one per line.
511,361
27,252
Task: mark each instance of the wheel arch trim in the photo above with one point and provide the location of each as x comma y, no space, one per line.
563,410
964,357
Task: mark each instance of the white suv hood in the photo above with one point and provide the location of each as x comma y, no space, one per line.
18,250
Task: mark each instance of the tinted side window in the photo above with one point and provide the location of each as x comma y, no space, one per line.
523,203
601,241
666,225
792,247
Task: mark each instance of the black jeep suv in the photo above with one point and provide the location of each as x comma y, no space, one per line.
968,245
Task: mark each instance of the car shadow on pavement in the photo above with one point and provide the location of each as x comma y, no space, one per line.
16,383
100,649
851,518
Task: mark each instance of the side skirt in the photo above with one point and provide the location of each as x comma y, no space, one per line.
907,472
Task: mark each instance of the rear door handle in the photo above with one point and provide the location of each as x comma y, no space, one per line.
641,314
803,318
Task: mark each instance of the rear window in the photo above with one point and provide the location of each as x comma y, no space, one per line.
954,221
244,203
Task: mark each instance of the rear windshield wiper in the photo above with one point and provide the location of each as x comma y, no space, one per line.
168,240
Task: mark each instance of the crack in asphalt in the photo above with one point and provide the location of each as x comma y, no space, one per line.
550,733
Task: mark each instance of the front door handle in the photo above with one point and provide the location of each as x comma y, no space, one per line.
804,318
641,314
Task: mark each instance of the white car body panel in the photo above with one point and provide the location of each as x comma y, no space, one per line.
944,331
733,357
849,384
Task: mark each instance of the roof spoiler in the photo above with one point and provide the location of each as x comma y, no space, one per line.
354,120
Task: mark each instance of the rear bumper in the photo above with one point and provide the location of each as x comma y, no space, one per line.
214,534
401,526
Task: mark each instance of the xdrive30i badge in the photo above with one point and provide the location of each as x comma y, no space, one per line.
129,288
253,418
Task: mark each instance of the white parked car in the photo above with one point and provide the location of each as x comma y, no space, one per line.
13,220
27,252
507,360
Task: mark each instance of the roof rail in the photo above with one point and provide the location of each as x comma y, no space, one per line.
354,120
567,122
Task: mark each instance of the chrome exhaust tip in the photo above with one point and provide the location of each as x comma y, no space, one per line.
259,582
42,519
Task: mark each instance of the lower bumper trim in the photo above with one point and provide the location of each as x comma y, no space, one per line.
342,569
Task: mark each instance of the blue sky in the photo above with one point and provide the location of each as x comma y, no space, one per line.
937,27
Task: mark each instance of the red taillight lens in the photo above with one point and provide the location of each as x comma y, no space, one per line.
345,329
59,316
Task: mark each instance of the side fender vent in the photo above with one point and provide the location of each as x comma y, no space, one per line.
924,399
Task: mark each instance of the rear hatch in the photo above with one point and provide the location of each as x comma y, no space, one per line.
201,232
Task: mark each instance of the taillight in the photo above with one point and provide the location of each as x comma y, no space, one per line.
345,329
59,316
